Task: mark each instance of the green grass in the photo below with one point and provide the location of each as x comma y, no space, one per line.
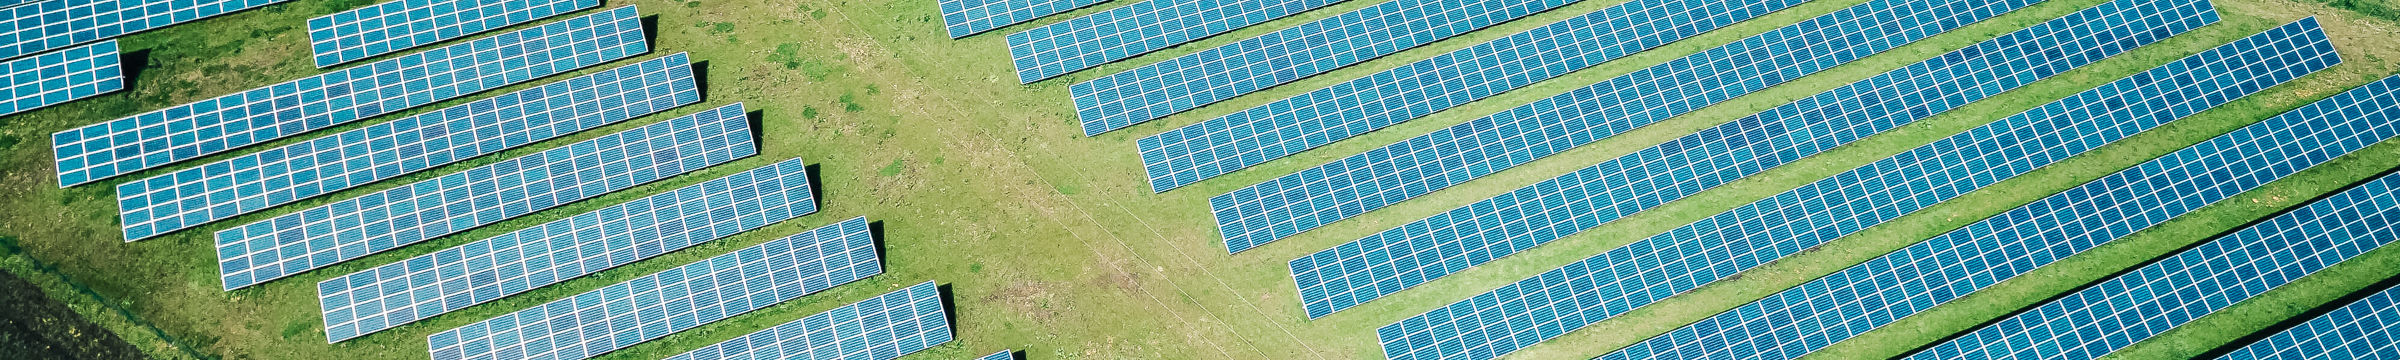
1052,241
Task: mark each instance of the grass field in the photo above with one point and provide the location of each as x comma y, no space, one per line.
1051,242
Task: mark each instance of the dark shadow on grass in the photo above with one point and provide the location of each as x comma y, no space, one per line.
133,63
949,307
758,122
816,185
875,232
650,31
700,78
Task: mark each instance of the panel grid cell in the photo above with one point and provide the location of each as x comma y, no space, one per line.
2361,330
1252,136
60,76
1896,285
259,115
1536,214
395,294
2178,289
970,17
879,328
399,25
50,25
1119,33
1614,282
670,301
282,175
348,229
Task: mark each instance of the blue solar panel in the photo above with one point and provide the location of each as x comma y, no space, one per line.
2174,291
220,190
1223,72
51,25
968,17
395,294
1921,276
189,131
393,26
1284,127
1561,300
60,76
678,299
1418,252
348,229
1116,34
1002,355
2362,330
882,327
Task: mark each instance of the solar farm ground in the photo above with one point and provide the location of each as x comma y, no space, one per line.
1052,242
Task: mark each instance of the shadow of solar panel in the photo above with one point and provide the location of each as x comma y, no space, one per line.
2173,291
2361,330
220,190
60,76
258,115
1252,136
1883,290
315,237
879,328
1530,216
1645,271
1123,32
391,295
399,25
40,26
678,299
969,17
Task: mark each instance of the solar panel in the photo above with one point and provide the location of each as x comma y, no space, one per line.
394,26
969,17
678,299
1223,72
1472,235
60,76
51,25
1116,34
395,294
1947,267
882,327
1252,136
348,229
2174,291
258,115
2362,330
1002,355
1561,300
223,189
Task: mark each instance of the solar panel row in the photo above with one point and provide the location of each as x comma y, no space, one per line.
1002,355
282,175
1223,72
882,327
969,17
391,295
1471,235
1284,127
2173,291
1119,33
2361,330
1947,267
51,25
670,301
348,229
394,26
1564,299
60,76
189,131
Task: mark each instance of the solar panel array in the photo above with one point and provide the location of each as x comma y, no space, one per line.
60,76
1947,267
393,26
969,17
188,131
223,189
1223,72
1564,299
348,229
2174,291
388,296
2361,330
882,327
1002,355
670,301
1119,33
1471,235
51,25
